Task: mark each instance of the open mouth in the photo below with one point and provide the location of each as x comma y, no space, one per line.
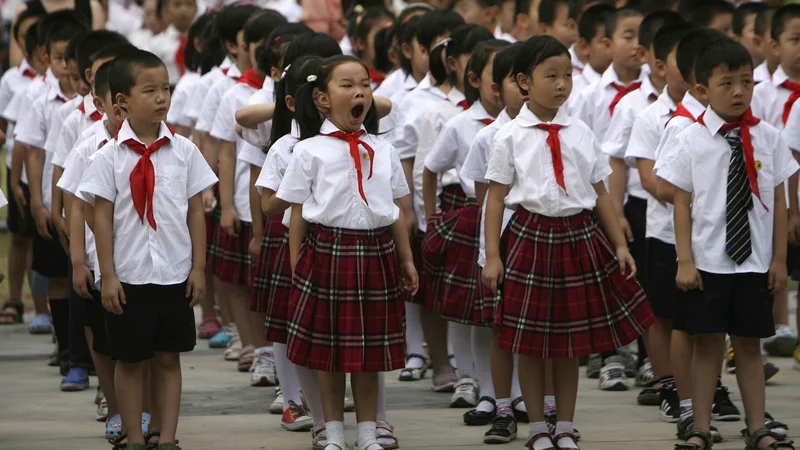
356,111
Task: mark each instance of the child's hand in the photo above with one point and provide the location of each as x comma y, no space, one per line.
492,274
19,195
777,277
61,230
626,262
43,221
208,200
230,222
196,287
626,229
82,280
408,273
113,295
688,277
254,248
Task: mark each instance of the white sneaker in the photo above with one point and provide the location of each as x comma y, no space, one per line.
645,376
102,411
262,372
276,407
466,394
234,349
612,376
782,344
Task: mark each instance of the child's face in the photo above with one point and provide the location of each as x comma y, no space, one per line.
93,70
623,43
672,75
789,46
747,39
723,22
730,91
75,79
483,82
475,14
550,83
563,28
56,59
149,99
367,48
348,97
418,55
151,19
181,13
458,66
598,54
512,96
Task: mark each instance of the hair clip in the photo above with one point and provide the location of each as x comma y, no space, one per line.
277,39
285,71
444,42
311,78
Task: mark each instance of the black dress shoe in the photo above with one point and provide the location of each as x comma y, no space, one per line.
520,415
475,417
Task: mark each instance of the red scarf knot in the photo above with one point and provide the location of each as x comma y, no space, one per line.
622,91
743,124
486,121
251,79
555,151
376,77
143,178
95,116
787,107
354,140
463,105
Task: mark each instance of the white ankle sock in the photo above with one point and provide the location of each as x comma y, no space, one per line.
504,405
308,382
565,442
686,409
543,442
335,433
414,336
366,433
462,345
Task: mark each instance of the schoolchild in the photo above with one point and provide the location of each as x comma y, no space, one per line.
559,18
590,55
763,41
169,45
484,13
363,40
714,14
744,25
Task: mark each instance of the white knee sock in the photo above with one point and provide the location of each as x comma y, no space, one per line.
481,341
462,345
381,397
287,375
309,384
414,335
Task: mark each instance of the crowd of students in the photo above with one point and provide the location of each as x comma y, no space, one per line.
492,191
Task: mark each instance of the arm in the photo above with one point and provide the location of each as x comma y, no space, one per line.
297,232
607,214
112,292
493,270
88,214
688,277
617,185
408,171
649,183
34,166
480,191
794,209
183,131
664,191
255,212
777,270
430,183
57,208
401,241
17,161
271,205
251,116
227,169
196,219
82,279
383,106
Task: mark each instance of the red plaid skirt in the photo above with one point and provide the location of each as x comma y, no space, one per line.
346,303
274,233
229,257
563,295
212,223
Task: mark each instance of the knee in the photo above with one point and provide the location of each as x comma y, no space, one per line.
130,368
166,361
746,347
705,343
19,241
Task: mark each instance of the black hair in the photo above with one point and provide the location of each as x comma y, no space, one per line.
56,20
71,52
308,116
437,23
191,55
534,52
232,18
101,79
781,17
122,74
691,46
296,75
406,32
160,7
213,52
32,40
461,42
271,55
593,18
92,43
618,16
261,25
549,8
503,65
481,56
61,30
763,21
724,52
741,13
382,45
368,19
414,9
653,22
649,6
668,38
705,11
22,17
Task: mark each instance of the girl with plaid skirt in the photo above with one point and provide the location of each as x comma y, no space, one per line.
566,291
453,242
348,244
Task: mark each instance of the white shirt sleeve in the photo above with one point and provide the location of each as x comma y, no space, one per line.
618,132
501,167
601,168
65,143
99,179
783,159
676,167
252,155
643,141
224,127
442,156
74,168
32,130
298,179
199,175
791,132
399,184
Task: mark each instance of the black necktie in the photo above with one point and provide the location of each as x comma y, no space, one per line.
739,202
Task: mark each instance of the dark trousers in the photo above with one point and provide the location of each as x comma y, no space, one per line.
79,355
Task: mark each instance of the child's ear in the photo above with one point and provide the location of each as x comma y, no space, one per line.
661,68
607,43
98,104
582,47
702,91
407,51
774,46
641,54
474,79
88,74
524,81
290,103
275,74
452,64
322,99
231,47
497,91
122,102
44,56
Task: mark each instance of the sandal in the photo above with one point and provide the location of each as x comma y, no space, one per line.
150,435
12,312
365,445
318,436
535,437
752,440
413,373
706,438
385,432
780,429
246,358
481,418
566,435
208,328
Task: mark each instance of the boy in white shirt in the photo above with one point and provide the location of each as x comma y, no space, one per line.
763,42
744,29
559,18
150,230
727,172
169,44
591,47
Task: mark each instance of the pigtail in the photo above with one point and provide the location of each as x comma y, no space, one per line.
481,56
437,63
306,112
294,76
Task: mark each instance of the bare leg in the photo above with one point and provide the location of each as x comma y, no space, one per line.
502,363
104,366
681,356
435,329
331,388
658,338
750,376
565,382
257,321
780,308
531,380
18,265
208,305
167,370
128,384
706,364
365,395
239,305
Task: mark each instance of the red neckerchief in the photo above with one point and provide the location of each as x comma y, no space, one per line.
354,140
251,79
681,111
787,107
555,151
179,61
225,71
143,177
743,124
486,121
376,77
95,116
27,73
622,91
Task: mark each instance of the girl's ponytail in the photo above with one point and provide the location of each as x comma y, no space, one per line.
292,78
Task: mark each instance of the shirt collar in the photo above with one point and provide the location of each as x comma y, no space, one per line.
54,91
126,132
269,84
328,127
692,104
50,78
409,82
712,121
647,88
576,62
226,63
502,118
233,71
454,96
779,76
610,76
426,82
88,105
665,101
295,132
590,74
527,118
25,65
478,112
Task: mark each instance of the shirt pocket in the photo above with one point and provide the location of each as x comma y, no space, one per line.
171,181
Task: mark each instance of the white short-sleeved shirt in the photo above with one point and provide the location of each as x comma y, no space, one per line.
393,83
275,166
165,45
93,129
616,137
75,168
57,121
3,200
674,127
143,255
213,99
194,105
593,106
432,123
224,129
259,137
388,123
15,79
180,98
769,98
761,73
75,124
452,145
411,114
791,133
699,164
646,133
19,105
475,168
322,177
521,158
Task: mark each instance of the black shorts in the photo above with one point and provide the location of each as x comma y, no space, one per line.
155,318
95,318
662,266
49,257
19,220
636,213
793,261
738,304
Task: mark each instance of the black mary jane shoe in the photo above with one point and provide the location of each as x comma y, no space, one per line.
520,415
482,418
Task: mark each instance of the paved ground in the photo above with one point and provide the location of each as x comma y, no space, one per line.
221,411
